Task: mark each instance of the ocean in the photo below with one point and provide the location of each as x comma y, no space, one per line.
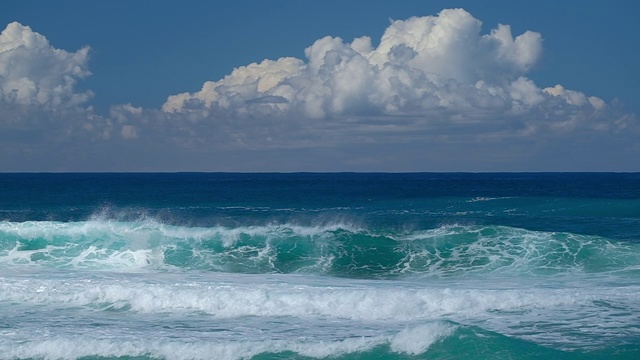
320,265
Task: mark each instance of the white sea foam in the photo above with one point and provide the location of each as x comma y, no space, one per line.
416,340
413,341
483,199
449,250
510,306
369,301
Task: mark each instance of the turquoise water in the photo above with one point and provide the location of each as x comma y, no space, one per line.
307,266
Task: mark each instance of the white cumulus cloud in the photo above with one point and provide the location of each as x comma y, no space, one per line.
432,66
32,72
433,93
45,122
431,82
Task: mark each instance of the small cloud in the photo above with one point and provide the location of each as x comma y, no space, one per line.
129,132
121,113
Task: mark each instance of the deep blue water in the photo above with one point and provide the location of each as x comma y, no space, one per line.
353,266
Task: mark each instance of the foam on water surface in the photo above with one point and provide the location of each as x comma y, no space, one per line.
549,315
333,249
411,341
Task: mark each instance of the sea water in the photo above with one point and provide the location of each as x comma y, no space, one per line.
307,266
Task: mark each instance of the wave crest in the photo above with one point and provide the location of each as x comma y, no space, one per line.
334,249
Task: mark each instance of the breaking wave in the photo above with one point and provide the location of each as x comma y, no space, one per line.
337,249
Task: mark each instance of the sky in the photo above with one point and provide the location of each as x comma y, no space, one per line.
257,86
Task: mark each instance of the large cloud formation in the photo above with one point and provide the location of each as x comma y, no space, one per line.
438,67
433,93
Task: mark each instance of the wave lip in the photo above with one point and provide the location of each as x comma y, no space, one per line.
332,249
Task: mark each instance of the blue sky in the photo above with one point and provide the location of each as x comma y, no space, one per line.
115,114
